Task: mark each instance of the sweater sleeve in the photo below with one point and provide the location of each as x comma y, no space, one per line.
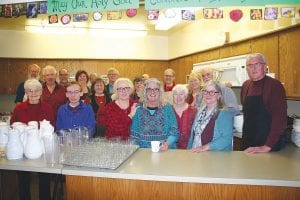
59,119
91,122
222,139
135,125
172,128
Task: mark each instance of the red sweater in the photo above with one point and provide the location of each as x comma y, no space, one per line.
26,112
185,123
274,101
116,120
56,98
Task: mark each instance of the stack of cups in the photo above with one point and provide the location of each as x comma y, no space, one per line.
52,149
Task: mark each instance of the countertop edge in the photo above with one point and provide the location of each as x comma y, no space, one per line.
211,180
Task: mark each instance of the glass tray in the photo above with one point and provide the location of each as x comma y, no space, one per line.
104,155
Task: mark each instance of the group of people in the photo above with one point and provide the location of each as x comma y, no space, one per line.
196,116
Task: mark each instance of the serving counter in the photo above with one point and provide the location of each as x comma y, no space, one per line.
180,174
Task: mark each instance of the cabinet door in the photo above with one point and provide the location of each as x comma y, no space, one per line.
289,61
268,45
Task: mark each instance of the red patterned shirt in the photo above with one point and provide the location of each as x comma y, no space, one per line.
116,120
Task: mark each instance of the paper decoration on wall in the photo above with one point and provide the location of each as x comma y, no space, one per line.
65,19
43,7
97,16
256,14
114,15
170,13
80,17
271,13
32,10
8,10
236,15
131,12
212,13
188,14
153,14
288,12
19,9
53,19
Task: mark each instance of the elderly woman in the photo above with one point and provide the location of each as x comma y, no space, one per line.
99,99
194,85
33,110
184,113
117,114
75,113
154,121
212,127
82,78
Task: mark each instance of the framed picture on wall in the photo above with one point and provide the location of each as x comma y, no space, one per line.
256,14
212,13
288,12
271,13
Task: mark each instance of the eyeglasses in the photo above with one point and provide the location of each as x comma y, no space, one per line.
211,93
152,90
112,74
254,65
169,76
123,89
73,92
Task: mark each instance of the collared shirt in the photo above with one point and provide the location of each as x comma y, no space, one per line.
69,117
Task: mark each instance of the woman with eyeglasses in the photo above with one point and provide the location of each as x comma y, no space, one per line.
117,115
154,121
33,110
212,127
75,113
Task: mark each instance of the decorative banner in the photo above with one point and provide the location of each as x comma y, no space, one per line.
69,6
159,4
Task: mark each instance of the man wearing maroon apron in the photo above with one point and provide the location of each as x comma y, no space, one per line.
264,107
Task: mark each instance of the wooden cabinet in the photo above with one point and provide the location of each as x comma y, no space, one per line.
268,45
289,62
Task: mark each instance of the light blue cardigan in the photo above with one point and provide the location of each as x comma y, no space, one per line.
222,139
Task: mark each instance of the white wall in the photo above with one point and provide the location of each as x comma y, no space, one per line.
22,44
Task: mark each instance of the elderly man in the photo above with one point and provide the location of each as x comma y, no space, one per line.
53,93
227,93
33,72
264,107
113,75
169,83
63,76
